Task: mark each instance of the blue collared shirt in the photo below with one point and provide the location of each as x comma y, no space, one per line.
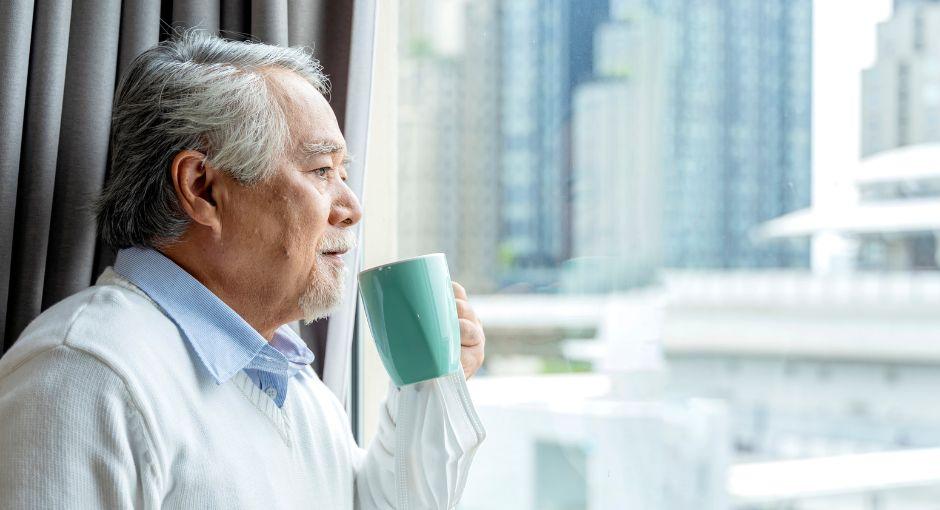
221,339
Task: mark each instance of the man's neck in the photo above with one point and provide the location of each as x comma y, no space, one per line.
247,299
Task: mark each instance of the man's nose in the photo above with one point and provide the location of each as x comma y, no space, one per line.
346,209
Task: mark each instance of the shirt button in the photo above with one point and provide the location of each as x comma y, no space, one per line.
271,392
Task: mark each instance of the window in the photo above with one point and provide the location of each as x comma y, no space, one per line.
670,217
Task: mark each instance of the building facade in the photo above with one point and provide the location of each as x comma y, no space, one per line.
901,90
429,130
618,138
740,134
533,91
901,108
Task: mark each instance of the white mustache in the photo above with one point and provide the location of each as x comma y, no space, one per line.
343,241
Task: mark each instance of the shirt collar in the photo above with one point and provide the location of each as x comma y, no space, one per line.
222,340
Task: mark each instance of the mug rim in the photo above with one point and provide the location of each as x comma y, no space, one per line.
409,259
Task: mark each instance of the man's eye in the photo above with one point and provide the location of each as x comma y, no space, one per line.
324,171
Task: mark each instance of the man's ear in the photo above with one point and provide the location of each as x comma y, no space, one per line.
197,187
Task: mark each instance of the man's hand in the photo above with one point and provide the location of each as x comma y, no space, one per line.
472,338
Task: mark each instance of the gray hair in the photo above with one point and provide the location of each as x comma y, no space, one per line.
200,92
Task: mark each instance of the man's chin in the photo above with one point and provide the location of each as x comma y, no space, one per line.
324,295
314,309
315,315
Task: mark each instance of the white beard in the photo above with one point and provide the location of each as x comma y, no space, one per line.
325,292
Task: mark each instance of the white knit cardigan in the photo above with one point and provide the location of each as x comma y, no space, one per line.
102,405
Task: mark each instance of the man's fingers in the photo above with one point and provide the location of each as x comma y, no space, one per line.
459,291
465,311
471,360
472,338
471,334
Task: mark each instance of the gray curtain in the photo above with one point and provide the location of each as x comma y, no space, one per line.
61,60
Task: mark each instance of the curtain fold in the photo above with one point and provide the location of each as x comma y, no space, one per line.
41,126
235,17
269,20
61,62
197,13
90,75
16,21
140,29
304,19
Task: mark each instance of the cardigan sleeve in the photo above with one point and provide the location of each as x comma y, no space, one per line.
69,435
420,457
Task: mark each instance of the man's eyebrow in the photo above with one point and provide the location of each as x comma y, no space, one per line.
325,147
320,147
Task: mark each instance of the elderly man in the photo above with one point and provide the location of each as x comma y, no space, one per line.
175,382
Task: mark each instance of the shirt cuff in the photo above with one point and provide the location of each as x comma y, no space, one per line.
437,434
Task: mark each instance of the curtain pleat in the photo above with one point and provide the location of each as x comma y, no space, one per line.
140,29
269,21
41,130
61,61
235,16
303,20
16,21
90,75
197,13
334,48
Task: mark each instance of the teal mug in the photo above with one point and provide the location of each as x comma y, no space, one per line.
412,312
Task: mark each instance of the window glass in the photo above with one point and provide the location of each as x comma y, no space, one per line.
702,237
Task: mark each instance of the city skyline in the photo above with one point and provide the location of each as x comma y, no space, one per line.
765,361
720,181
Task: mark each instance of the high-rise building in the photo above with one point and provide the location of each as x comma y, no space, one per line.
586,16
901,107
901,90
486,177
487,121
901,3
533,91
449,157
429,135
478,217
740,130
618,138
